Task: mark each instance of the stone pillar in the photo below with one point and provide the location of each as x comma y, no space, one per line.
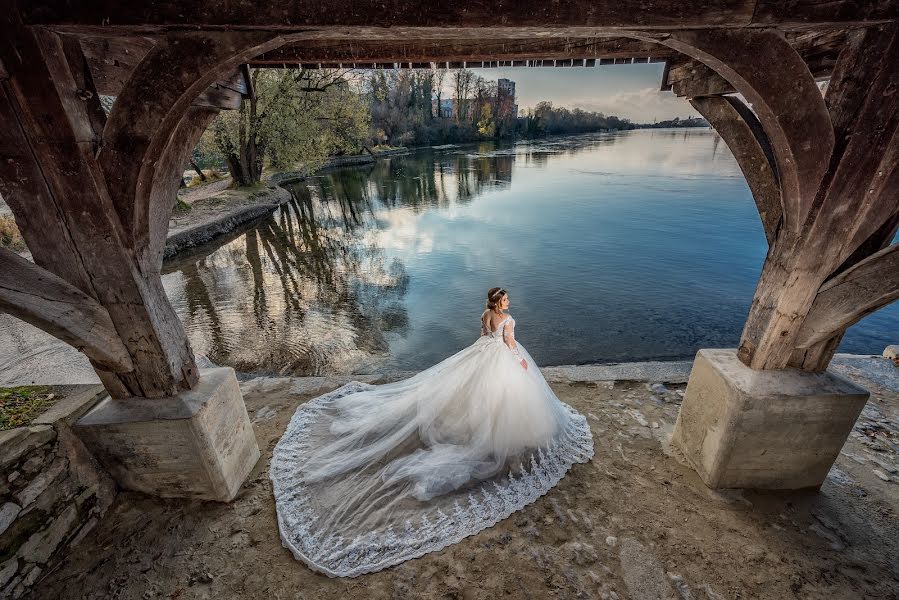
783,429
199,444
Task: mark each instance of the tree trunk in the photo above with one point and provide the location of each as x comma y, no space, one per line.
199,171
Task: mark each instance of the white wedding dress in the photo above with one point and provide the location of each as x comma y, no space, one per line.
368,476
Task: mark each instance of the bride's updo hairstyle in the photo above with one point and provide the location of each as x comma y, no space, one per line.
494,296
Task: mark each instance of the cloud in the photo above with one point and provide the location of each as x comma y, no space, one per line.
642,105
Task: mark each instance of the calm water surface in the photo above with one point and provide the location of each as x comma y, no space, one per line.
624,246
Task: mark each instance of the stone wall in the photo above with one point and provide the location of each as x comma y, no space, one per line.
52,493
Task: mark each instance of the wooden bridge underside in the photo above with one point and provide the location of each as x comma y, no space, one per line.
93,194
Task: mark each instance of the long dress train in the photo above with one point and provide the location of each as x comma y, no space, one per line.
368,476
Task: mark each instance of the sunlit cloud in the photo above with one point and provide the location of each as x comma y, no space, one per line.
644,105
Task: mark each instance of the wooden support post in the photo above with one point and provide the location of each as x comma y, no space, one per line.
836,163
817,356
93,198
39,297
854,293
853,213
51,116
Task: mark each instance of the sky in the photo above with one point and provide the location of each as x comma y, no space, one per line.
628,91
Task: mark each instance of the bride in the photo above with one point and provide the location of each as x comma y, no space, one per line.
369,476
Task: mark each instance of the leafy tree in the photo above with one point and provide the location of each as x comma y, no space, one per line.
298,116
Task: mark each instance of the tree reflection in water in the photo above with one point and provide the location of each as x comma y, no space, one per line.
307,290
297,293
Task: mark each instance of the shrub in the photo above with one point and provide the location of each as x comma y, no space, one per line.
10,237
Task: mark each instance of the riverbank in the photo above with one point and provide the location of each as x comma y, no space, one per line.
216,209
335,162
219,213
631,523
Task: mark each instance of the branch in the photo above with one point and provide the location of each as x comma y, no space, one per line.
39,297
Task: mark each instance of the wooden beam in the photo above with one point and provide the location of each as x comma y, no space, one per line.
802,141
844,300
819,50
744,135
178,69
857,196
66,190
39,297
227,93
296,14
86,89
248,81
112,60
426,50
863,177
25,190
219,97
695,79
168,172
774,12
818,356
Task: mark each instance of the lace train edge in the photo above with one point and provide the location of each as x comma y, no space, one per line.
379,550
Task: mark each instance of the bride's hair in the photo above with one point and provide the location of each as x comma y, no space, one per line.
494,295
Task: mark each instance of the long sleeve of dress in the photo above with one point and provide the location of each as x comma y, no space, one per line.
509,337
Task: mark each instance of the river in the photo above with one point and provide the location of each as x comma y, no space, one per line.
638,245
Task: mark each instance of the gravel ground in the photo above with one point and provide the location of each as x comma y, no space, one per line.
632,523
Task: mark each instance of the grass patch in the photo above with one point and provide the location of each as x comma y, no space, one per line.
20,405
212,175
10,237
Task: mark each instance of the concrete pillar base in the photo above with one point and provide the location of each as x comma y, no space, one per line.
199,444
741,428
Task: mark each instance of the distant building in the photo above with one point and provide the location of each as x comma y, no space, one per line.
506,92
447,108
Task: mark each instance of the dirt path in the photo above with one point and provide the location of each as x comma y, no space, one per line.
632,523
191,195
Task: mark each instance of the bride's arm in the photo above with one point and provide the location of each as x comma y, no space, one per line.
509,339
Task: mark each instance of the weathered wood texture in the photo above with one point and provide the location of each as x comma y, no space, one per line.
427,50
168,174
836,164
58,193
817,356
818,49
692,78
749,144
293,14
857,197
856,292
39,297
112,59
801,140
138,132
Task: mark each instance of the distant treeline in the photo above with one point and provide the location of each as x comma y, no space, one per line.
676,122
414,108
302,116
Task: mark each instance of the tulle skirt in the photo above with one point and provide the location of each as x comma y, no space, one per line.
368,476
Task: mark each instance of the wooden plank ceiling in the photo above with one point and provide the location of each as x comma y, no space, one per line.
113,58
115,35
